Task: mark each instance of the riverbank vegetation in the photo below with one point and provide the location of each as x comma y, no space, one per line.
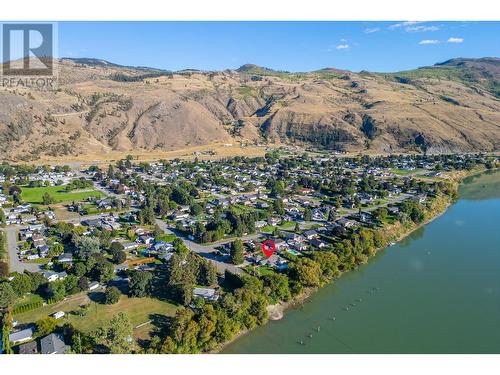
244,304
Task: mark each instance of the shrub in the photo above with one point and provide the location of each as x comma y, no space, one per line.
112,295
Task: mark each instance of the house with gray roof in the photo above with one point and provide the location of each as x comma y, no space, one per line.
22,336
53,344
206,293
29,348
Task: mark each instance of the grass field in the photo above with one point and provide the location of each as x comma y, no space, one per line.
140,310
34,195
167,237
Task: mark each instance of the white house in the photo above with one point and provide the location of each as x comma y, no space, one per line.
206,293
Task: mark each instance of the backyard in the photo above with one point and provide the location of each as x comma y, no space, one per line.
94,315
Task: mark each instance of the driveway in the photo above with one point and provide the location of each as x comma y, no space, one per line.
15,264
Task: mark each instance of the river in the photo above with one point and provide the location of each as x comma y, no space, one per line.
436,291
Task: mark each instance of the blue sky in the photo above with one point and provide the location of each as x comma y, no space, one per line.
292,46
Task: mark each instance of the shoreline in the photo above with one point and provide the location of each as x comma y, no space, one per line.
277,311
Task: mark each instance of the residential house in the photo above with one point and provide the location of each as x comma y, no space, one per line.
146,240
259,224
310,234
178,215
280,244
22,336
274,221
53,344
291,236
130,246
346,223
206,293
65,258
43,251
29,348
317,243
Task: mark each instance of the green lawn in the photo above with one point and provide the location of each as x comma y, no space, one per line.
167,237
287,225
140,310
267,229
35,194
265,270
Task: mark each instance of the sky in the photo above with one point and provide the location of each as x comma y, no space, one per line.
291,46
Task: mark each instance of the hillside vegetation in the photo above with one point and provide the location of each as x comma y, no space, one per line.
103,108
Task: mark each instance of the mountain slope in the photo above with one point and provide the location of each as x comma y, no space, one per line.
102,107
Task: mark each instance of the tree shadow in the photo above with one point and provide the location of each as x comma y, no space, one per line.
162,325
98,297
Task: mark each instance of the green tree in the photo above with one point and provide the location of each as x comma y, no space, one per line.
112,295
6,328
297,227
328,262
306,272
46,326
117,336
157,231
7,295
276,287
139,283
278,206
331,216
103,271
146,216
307,214
4,269
236,253
6,348
118,256
86,246
56,249
2,218
48,199
381,214
57,290
207,274
21,284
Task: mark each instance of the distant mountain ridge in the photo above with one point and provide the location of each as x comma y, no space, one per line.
103,107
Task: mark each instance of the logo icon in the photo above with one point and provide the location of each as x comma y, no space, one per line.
27,49
268,247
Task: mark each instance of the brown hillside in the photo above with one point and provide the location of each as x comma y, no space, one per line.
103,108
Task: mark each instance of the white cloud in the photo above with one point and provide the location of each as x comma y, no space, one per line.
343,40
420,29
455,40
429,41
403,24
372,30
342,46
412,27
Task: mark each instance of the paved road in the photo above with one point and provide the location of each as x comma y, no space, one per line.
15,264
204,251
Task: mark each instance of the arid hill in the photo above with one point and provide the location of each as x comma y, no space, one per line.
102,107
